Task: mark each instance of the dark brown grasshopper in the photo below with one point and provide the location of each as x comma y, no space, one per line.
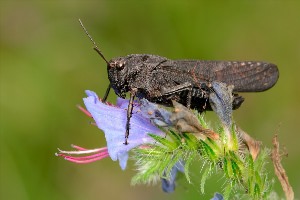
161,80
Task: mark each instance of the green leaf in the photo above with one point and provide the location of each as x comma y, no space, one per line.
175,137
203,179
227,191
189,158
235,140
165,142
207,151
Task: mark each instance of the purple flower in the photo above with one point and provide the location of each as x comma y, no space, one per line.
112,120
168,185
217,196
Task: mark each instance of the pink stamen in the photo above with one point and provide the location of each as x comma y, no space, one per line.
86,157
84,111
78,147
86,160
99,154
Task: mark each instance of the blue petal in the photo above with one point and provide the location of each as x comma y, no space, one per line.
112,120
217,196
168,185
123,157
122,103
180,166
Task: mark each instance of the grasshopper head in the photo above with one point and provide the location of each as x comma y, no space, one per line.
127,72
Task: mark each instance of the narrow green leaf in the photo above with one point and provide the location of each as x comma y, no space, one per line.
165,142
227,191
235,140
203,179
228,167
208,152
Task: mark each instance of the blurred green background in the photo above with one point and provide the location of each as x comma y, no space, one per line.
47,62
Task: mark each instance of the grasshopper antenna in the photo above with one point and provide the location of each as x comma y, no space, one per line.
95,45
100,53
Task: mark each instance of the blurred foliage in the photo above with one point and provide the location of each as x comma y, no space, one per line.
240,172
47,62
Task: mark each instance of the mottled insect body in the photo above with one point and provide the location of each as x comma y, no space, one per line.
161,80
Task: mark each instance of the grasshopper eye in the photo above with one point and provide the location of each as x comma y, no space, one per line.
117,64
120,65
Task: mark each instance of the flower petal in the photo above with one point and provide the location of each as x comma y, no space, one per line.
112,120
168,185
217,196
